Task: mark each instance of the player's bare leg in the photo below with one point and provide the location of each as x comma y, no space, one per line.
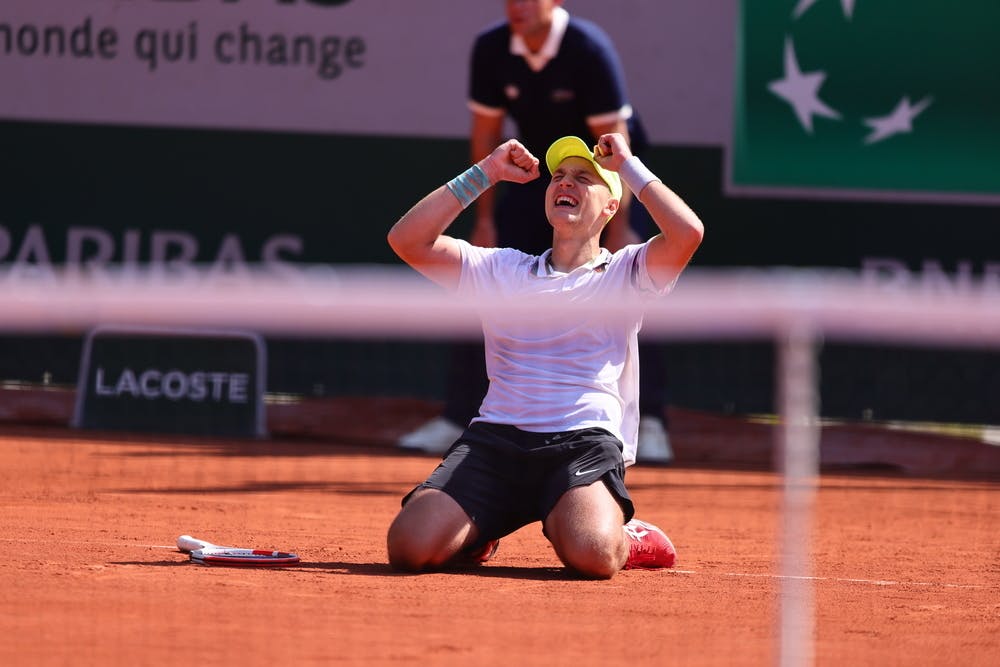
430,530
585,528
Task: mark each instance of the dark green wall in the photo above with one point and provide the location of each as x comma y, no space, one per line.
340,194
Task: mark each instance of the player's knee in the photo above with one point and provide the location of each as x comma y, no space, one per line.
428,532
593,568
406,561
592,558
415,550
405,552
407,555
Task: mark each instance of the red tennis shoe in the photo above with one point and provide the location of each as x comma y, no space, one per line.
649,548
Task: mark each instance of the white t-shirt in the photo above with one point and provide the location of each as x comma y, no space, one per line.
550,374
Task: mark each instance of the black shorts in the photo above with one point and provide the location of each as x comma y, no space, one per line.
505,478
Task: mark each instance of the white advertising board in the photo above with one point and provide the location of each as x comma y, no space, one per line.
381,67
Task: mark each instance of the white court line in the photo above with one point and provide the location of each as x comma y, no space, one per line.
839,580
91,543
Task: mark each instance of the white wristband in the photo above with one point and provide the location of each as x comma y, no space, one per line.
636,175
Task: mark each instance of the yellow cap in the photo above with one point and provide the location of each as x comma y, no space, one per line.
574,147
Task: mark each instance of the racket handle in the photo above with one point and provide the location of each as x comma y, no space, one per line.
187,543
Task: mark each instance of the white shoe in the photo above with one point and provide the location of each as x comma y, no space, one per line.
654,442
434,437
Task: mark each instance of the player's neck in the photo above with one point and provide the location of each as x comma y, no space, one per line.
568,254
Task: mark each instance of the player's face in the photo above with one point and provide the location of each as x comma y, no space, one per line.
578,197
530,18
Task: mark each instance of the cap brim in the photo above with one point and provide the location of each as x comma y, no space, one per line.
568,147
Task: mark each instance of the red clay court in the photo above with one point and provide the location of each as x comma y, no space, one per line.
906,566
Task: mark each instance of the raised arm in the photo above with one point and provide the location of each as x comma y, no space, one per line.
418,237
681,231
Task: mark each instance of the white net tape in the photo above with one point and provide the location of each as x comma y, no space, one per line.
393,302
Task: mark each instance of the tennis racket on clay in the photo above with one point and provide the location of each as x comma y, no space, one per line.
206,553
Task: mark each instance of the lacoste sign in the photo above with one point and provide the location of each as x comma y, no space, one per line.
172,381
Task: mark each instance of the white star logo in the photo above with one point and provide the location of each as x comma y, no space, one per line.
801,90
899,121
804,6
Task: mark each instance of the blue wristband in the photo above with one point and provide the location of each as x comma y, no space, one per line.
468,185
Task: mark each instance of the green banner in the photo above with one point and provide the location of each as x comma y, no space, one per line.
868,97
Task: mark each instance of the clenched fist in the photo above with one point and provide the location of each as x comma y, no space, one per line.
510,161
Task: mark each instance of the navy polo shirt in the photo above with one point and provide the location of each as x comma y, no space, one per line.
584,79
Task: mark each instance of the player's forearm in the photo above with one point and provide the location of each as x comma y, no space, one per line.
675,219
681,230
418,237
416,232
680,225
